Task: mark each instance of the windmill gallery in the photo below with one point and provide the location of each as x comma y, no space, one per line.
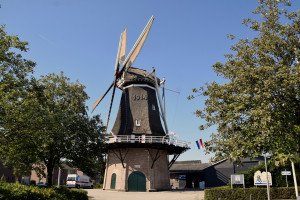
139,146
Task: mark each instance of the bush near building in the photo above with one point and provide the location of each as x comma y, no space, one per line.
226,193
278,180
14,191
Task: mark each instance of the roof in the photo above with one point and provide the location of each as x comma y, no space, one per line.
188,166
137,76
197,166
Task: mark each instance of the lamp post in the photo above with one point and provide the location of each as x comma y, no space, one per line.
268,186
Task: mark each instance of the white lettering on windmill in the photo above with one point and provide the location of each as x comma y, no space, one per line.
140,97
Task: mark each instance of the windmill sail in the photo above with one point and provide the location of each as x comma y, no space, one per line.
138,45
128,61
123,46
100,99
120,56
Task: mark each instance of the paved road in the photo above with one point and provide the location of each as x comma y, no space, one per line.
99,194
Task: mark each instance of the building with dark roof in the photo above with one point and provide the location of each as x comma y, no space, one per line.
193,174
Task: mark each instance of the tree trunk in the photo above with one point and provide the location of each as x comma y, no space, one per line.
49,174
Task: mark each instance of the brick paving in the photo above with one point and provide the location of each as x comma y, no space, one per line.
99,194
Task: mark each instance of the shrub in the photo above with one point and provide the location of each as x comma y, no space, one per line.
32,182
72,193
226,193
3,179
277,179
98,185
12,191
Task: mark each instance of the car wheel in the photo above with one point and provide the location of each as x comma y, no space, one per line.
78,186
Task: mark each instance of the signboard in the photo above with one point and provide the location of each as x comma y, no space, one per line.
260,178
237,179
286,173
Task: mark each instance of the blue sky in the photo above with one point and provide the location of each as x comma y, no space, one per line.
81,39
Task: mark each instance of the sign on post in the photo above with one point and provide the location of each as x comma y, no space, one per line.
237,179
260,178
286,173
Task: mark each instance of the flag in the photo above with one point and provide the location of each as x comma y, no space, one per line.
197,142
200,144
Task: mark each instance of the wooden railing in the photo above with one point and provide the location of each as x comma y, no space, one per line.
148,139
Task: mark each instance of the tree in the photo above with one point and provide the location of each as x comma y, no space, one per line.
90,150
14,78
60,124
43,121
258,108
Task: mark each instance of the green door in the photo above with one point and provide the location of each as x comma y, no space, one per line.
137,182
113,181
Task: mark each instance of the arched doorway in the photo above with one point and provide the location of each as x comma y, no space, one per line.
137,182
113,181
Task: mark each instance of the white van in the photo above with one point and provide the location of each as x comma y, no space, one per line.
79,181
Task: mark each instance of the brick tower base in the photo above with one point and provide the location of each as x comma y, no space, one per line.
123,163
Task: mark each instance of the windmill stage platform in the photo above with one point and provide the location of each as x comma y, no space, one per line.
172,146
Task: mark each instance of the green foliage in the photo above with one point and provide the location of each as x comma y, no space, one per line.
226,193
3,179
275,168
11,191
72,193
14,79
32,182
43,120
98,185
258,108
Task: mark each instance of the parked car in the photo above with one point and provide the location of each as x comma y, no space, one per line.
79,181
42,183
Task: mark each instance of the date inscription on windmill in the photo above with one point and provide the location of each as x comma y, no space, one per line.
140,97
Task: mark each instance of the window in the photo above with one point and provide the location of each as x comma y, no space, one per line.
71,179
138,122
71,171
153,107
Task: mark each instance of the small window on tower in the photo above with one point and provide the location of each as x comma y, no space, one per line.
138,122
153,107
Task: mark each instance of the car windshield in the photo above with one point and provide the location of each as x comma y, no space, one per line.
71,178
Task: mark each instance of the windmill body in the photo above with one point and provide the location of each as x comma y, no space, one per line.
138,112
138,146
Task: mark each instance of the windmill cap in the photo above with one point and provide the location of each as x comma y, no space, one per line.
137,76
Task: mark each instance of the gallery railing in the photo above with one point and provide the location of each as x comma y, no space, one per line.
148,139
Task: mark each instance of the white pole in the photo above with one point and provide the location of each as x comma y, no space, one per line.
160,103
58,179
268,186
286,180
105,172
164,96
294,177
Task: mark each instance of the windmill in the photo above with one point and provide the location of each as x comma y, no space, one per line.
125,63
139,146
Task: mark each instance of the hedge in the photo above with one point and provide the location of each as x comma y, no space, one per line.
226,193
13,191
